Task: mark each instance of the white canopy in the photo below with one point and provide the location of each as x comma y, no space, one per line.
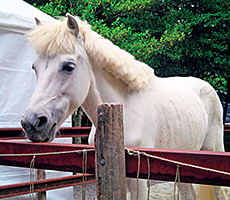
17,82
17,79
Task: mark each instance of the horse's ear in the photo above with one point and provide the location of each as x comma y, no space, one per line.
38,22
72,24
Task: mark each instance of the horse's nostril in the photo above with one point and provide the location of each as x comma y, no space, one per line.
40,123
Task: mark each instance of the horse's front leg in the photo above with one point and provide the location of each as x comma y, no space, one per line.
137,192
92,135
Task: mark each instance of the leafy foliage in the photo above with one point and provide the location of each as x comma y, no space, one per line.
175,37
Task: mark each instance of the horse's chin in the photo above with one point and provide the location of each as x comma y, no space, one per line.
49,139
51,135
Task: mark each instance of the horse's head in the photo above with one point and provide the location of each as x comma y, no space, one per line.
63,78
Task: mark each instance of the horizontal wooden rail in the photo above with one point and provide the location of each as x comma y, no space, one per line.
43,185
160,170
17,133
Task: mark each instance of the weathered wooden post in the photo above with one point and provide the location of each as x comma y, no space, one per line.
110,153
40,174
76,122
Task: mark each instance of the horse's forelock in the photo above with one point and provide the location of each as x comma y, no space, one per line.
52,38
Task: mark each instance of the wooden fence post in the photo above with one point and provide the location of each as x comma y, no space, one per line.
76,122
40,174
110,153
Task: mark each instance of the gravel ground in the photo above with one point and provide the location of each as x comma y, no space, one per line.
90,191
155,185
159,190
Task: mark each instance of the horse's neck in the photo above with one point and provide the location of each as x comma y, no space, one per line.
92,101
110,88
104,89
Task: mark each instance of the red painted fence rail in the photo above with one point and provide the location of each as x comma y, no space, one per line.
160,170
63,162
226,128
43,185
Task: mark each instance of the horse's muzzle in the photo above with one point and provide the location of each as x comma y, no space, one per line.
38,127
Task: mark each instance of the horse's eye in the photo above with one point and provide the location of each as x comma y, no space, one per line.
68,67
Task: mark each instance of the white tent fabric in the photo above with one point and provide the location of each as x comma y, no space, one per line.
18,16
17,82
17,79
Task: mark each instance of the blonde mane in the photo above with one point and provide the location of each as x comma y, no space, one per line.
51,39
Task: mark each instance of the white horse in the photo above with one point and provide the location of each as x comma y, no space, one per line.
77,67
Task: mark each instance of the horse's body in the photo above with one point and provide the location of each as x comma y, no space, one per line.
173,113
171,108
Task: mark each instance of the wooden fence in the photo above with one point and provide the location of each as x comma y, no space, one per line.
201,167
